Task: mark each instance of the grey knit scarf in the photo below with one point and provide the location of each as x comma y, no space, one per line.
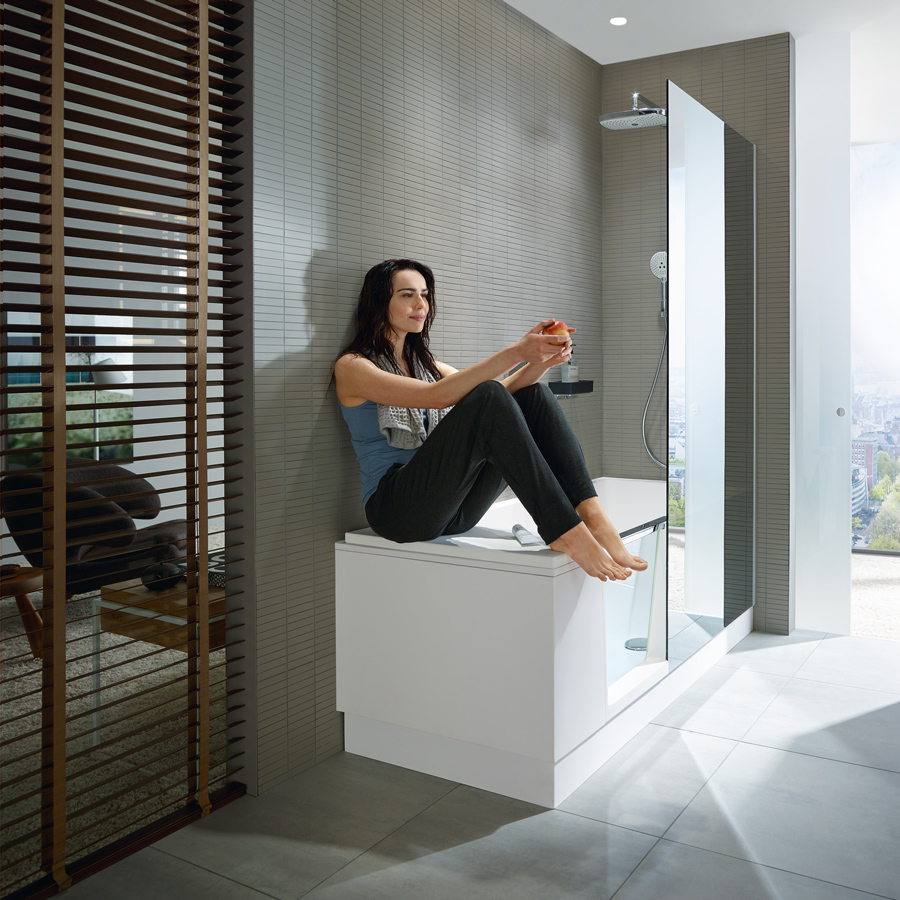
404,428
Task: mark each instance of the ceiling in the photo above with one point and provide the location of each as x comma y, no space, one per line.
656,27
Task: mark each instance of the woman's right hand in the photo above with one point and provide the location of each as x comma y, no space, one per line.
542,349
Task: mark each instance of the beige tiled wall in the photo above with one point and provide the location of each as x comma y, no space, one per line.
748,84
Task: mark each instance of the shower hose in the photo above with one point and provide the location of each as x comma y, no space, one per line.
662,353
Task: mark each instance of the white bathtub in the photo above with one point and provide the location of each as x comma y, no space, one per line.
496,665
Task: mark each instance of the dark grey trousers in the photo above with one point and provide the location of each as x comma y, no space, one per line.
491,438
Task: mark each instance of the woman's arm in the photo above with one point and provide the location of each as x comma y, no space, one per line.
359,380
532,372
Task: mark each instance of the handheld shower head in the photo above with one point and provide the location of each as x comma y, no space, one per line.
659,266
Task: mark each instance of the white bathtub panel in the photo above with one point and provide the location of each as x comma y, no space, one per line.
472,661
509,774
579,661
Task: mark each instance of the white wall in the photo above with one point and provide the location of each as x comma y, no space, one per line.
821,336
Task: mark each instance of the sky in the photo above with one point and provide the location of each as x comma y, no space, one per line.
875,259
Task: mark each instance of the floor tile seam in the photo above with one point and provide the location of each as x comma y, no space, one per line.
736,742
587,818
720,737
637,865
845,762
881,690
243,884
762,865
732,741
753,671
787,681
831,635
381,840
852,687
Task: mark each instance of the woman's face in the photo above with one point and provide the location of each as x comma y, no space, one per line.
409,303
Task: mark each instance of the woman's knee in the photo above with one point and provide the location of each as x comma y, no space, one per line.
489,388
487,391
534,395
536,390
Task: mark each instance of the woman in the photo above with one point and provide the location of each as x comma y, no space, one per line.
481,434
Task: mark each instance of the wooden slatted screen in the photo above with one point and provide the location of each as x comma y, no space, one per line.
121,318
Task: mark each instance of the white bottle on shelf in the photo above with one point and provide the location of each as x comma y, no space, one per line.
569,371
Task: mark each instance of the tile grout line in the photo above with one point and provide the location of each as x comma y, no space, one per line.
787,681
752,862
684,809
381,840
639,863
857,687
842,762
212,872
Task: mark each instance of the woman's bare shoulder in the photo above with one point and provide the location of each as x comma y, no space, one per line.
354,362
351,373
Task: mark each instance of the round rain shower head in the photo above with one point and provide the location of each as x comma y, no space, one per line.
659,265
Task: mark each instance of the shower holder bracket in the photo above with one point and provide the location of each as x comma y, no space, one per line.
567,389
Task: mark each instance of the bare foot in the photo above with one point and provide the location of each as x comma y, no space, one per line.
579,544
605,534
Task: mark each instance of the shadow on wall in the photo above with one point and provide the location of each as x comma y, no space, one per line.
305,461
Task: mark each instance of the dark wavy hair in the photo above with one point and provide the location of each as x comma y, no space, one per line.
373,325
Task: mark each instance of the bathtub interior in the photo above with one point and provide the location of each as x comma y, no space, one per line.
629,608
629,503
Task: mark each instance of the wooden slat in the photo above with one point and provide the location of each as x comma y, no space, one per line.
29,24
144,151
202,481
117,256
53,818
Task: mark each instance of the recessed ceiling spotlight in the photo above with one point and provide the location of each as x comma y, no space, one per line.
618,20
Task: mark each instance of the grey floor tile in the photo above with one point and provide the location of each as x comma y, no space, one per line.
290,839
477,845
723,702
695,636
856,662
774,654
830,720
150,875
650,781
815,817
676,872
